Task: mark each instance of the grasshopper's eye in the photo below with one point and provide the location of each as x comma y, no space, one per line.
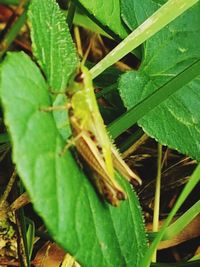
79,77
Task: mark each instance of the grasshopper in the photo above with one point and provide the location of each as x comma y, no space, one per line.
92,141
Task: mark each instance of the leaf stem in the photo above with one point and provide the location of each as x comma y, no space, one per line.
163,16
157,196
8,189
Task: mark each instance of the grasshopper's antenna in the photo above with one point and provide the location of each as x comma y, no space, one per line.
86,54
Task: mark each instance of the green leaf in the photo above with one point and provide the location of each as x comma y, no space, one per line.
106,14
94,232
84,21
30,236
136,12
52,43
175,122
151,101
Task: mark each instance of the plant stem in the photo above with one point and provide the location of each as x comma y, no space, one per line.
163,16
157,196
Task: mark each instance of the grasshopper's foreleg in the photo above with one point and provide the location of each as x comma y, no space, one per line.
70,142
51,91
54,108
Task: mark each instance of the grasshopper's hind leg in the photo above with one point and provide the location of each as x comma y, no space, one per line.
121,166
112,194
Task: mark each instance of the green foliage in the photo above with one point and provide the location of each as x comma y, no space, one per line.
176,121
60,192
94,232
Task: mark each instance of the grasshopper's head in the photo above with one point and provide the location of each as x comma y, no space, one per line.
83,78
81,82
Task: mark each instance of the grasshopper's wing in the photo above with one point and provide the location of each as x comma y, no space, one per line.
104,142
96,125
